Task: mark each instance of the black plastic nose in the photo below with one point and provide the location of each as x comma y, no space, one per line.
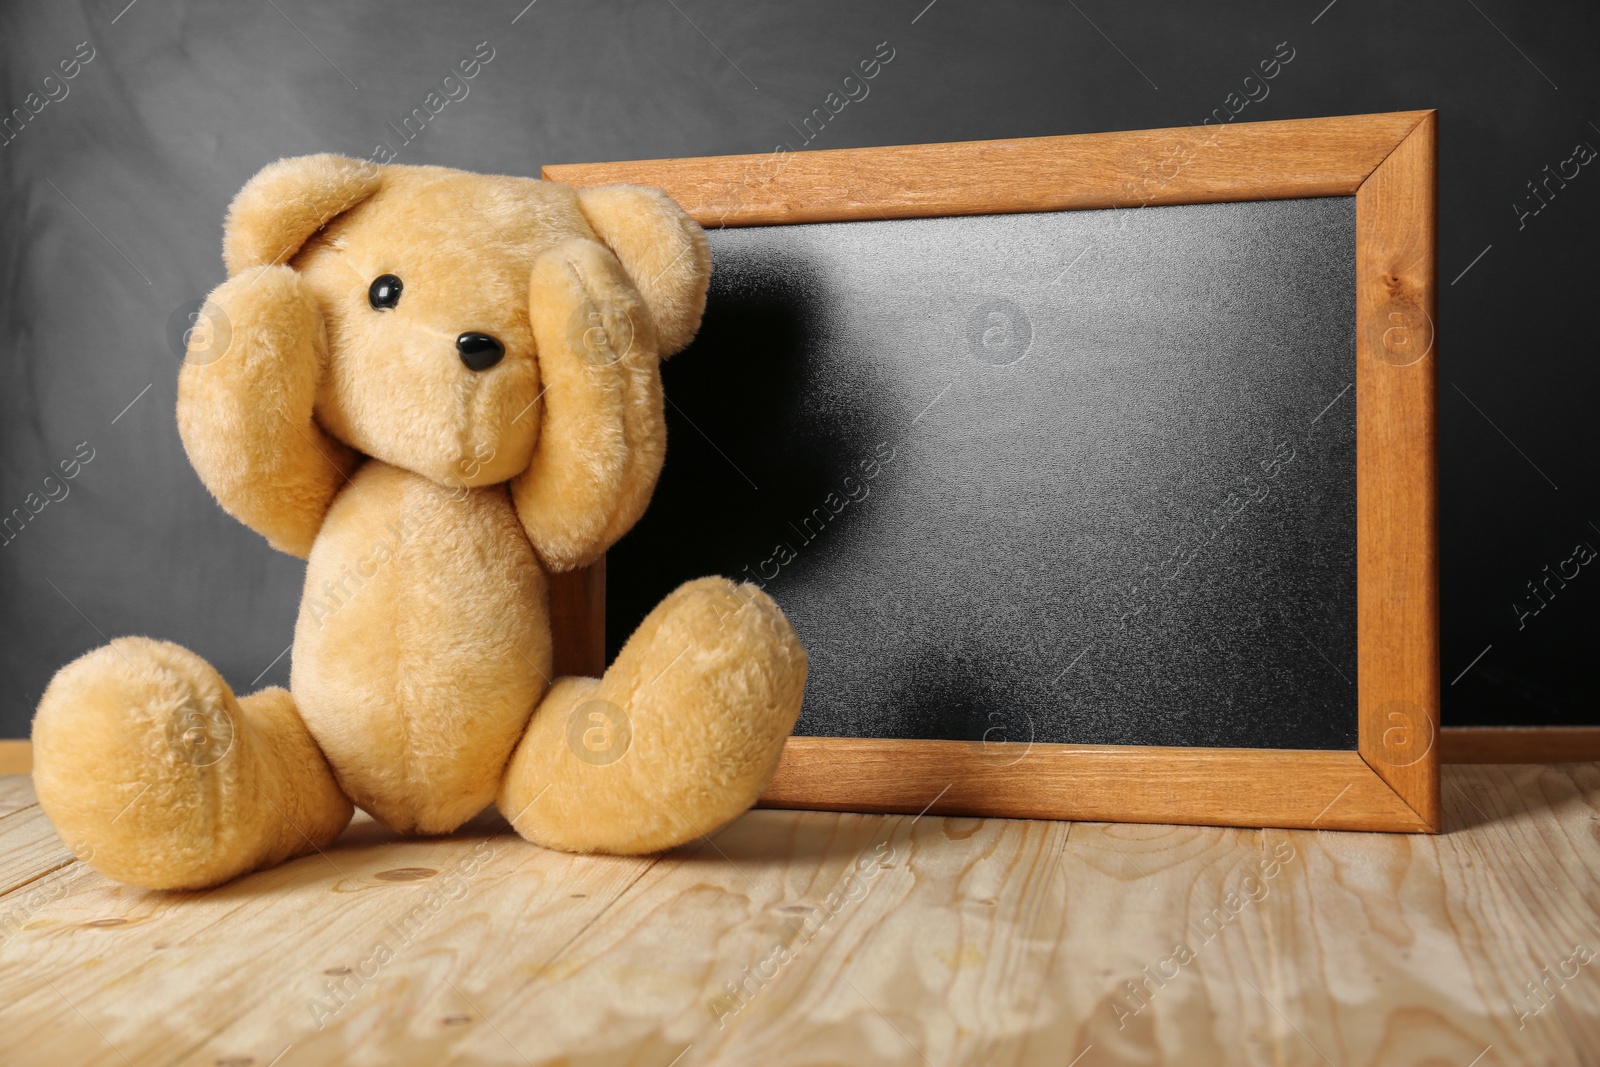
479,351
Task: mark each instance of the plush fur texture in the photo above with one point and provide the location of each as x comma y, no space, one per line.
710,644
154,774
431,502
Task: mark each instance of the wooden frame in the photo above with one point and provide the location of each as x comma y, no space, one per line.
1391,780
1519,744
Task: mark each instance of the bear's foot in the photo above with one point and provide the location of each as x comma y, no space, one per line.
678,738
155,775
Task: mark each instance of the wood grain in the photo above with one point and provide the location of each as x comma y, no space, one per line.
16,792
29,848
578,621
1397,584
1362,950
251,969
16,757
1333,790
1457,744
915,941
1186,165
1519,744
758,897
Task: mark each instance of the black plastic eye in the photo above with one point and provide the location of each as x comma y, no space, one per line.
384,292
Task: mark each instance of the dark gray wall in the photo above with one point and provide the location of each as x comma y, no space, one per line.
114,194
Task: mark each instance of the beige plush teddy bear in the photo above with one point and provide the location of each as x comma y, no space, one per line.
439,388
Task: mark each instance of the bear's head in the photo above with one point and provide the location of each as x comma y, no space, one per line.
421,278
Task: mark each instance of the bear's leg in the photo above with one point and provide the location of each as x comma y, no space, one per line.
154,774
678,738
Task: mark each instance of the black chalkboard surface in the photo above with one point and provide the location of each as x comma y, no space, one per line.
1097,473
1061,476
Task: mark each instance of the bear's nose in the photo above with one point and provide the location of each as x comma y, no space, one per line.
479,351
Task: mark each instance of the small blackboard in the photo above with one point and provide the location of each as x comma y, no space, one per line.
1050,476
1063,497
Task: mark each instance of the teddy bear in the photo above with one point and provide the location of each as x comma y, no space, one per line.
442,390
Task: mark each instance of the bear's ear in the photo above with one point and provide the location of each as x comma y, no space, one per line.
663,250
282,206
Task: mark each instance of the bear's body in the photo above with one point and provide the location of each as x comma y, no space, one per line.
423,640
441,389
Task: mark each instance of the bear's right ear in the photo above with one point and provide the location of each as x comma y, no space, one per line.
282,206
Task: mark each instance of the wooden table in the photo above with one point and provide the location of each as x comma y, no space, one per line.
807,938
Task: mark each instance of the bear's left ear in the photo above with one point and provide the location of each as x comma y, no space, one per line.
663,250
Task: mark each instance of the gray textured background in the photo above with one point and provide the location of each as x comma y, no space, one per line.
113,198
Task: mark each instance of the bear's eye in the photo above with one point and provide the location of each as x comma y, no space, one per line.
384,292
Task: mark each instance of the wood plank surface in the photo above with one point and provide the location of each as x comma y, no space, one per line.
1186,165
29,848
793,938
16,792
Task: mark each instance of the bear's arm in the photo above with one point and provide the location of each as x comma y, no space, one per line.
603,434
245,398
